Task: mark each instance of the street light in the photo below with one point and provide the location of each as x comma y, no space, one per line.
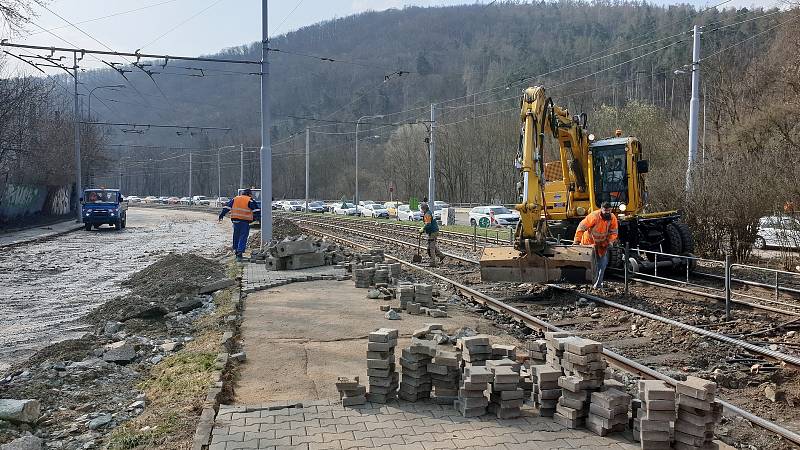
219,174
111,86
672,94
358,122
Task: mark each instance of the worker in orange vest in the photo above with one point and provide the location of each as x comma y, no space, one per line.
241,208
601,229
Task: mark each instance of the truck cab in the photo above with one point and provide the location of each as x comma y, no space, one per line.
103,207
257,197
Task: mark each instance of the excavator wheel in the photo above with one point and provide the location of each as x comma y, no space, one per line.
616,257
687,240
673,244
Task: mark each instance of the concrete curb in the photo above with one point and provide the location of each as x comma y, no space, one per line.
297,279
202,434
41,237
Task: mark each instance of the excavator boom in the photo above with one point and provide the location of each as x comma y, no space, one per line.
536,257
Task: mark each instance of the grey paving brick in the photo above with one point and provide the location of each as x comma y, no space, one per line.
319,415
270,434
334,445
286,440
409,423
391,432
244,428
304,424
293,432
368,434
217,446
363,419
235,437
291,447
252,420
472,442
394,440
356,443
435,445
242,445
380,425
334,421
320,430
346,435
415,446
421,437
392,417
501,439
428,429
351,427
297,440
220,430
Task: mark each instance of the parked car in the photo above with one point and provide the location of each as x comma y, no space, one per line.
314,207
165,200
150,199
404,212
362,205
437,212
133,199
778,231
201,200
330,206
485,216
221,201
277,204
346,209
172,200
392,208
441,204
293,205
375,210
185,201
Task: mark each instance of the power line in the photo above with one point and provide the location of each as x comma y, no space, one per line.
277,29
343,61
797,16
180,24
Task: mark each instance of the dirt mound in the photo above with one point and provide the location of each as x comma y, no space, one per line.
281,229
174,274
69,350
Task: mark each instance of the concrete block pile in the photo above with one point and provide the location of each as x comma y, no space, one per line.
698,413
383,378
472,401
405,293
415,383
363,277
351,392
555,347
546,390
381,275
608,412
445,373
395,270
652,424
475,349
295,253
423,294
537,351
582,362
500,351
505,395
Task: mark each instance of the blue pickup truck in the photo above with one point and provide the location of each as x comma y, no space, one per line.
103,206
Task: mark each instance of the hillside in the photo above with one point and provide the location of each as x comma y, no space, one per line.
444,53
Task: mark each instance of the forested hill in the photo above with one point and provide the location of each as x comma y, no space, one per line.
398,60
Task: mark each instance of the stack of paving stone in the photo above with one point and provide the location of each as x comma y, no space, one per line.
362,278
475,349
395,270
383,378
698,413
423,294
381,275
505,395
555,347
652,424
294,253
472,401
526,380
405,293
582,362
537,350
445,372
608,411
500,351
415,383
546,391
350,391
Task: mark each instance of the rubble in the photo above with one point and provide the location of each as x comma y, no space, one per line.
20,411
350,391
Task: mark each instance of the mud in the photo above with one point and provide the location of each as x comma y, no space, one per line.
49,285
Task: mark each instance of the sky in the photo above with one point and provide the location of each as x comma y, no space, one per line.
196,27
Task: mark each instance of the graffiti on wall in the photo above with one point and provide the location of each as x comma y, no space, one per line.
19,200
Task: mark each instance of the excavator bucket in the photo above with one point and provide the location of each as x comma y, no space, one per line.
571,263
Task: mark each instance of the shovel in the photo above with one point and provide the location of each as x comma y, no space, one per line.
417,258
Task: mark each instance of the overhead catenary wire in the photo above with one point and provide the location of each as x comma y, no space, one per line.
158,38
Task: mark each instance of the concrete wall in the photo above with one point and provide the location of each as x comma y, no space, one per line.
21,200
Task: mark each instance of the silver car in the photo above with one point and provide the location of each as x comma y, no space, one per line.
778,231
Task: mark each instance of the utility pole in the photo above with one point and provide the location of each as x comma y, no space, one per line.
119,186
190,176
307,142
358,122
432,161
241,166
266,147
694,107
77,132
219,176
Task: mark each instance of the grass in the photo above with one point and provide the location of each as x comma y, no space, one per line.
176,387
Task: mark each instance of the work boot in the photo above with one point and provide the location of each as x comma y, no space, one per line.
441,259
239,258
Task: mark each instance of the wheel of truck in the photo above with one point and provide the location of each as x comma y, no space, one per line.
87,227
673,244
124,221
687,240
118,225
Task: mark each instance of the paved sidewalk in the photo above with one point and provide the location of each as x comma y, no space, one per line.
323,424
39,232
256,277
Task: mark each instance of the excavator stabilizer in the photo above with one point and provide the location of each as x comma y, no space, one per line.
571,263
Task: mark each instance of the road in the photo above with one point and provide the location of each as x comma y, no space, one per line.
47,285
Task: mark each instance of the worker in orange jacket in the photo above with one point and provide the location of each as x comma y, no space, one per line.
241,209
601,229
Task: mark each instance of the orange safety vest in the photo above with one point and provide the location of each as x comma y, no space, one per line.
594,230
241,209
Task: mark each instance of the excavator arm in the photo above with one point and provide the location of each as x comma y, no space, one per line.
533,257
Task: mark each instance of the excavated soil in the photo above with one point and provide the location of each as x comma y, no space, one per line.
174,274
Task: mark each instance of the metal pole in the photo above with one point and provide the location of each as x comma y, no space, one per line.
219,176
119,186
355,196
307,163
703,156
672,96
266,147
190,177
727,287
625,267
432,162
694,107
77,132
241,165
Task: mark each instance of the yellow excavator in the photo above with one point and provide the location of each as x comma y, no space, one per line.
557,195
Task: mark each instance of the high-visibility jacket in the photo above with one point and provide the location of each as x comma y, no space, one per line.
594,230
241,208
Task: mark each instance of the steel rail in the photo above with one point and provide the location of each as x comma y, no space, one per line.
614,358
